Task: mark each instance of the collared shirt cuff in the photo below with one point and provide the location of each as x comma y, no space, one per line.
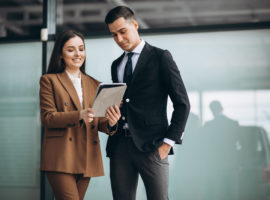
168,141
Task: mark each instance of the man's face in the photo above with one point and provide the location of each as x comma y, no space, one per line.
125,33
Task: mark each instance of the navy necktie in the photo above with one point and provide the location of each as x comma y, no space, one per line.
128,69
126,79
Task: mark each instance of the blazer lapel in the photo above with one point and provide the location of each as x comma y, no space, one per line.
115,65
68,85
143,58
89,92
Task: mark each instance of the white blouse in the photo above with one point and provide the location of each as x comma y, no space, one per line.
77,83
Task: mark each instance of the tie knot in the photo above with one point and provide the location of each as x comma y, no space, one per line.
130,55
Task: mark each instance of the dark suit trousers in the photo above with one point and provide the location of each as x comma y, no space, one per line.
68,186
127,163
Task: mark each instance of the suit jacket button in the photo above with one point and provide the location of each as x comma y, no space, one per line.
123,118
95,142
70,139
66,103
127,100
92,126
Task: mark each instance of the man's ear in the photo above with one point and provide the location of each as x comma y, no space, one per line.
135,23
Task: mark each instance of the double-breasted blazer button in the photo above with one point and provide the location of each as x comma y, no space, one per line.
70,139
123,118
95,142
66,103
92,126
127,100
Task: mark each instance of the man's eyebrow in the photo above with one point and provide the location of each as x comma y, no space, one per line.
118,30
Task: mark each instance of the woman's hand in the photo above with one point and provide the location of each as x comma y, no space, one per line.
87,115
113,114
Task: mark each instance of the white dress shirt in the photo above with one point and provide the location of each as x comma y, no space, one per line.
121,68
77,83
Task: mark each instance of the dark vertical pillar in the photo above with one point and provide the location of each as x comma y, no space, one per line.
49,27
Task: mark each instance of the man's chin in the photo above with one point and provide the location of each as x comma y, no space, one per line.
125,47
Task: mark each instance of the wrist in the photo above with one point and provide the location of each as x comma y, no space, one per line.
166,146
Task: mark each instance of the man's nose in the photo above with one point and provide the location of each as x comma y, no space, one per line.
119,38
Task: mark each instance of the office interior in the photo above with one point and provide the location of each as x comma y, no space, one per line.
222,49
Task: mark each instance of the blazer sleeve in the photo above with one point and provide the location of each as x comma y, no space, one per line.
175,88
50,117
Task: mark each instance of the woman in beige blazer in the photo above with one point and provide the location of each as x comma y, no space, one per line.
71,148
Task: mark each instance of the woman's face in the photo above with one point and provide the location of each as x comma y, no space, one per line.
73,53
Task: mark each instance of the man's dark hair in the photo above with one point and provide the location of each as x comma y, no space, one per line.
117,12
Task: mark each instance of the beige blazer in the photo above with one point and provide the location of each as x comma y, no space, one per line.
70,145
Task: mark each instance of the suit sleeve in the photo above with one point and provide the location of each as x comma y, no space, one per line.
103,126
50,117
175,88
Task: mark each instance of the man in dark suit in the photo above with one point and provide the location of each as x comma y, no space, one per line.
144,137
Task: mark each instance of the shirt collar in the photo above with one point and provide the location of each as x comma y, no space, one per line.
138,49
71,76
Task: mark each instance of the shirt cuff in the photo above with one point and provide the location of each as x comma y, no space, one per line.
168,141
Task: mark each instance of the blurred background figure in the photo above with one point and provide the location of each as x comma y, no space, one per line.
219,154
219,118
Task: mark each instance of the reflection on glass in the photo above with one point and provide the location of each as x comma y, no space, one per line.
248,107
235,154
263,109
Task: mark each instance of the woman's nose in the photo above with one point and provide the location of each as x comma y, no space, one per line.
76,53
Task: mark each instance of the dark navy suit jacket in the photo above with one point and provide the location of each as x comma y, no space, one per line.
154,78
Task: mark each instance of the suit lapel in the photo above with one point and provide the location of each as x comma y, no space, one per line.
115,65
68,85
89,92
143,58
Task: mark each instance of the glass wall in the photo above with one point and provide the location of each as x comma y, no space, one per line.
225,154
227,157
20,121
